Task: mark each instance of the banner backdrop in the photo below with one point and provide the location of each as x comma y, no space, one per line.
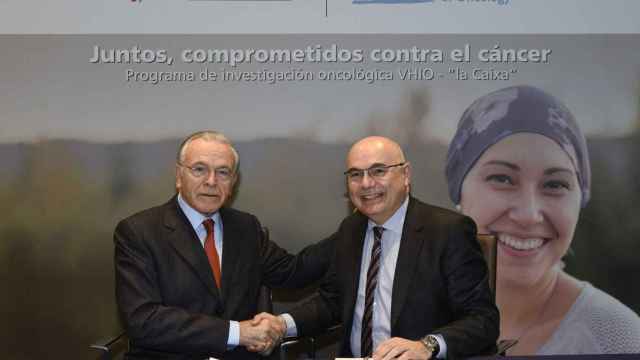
91,124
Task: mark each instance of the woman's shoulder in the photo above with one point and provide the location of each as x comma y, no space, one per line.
613,325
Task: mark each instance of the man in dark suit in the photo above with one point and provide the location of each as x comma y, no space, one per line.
188,269
407,280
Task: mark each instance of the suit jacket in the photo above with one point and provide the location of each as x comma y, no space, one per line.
165,288
440,283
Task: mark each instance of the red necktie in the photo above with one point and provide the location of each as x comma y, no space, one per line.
212,253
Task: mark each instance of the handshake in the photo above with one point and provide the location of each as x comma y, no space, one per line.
262,333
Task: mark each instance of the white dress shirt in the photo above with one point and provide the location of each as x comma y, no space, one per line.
390,243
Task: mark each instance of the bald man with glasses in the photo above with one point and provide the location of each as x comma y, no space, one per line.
407,280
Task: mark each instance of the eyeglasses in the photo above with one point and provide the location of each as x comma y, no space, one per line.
375,172
200,170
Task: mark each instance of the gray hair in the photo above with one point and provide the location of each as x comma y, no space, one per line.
208,135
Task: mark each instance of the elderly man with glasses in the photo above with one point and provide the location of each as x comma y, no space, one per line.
407,280
188,272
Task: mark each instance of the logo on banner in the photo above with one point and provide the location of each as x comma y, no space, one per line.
497,2
391,1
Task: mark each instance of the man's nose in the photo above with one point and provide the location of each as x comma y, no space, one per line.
211,178
367,180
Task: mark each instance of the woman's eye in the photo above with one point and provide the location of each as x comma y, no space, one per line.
500,179
557,185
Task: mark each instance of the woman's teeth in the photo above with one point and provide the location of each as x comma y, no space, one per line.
520,244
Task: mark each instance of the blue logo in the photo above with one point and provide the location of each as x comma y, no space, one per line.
391,1
498,2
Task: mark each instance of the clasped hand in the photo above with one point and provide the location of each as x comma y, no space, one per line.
402,349
262,333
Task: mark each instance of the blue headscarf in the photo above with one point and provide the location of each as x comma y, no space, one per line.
508,111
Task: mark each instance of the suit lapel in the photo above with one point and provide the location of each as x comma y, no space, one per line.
185,241
231,249
410,246
353,254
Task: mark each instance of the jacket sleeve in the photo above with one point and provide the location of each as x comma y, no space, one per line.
283,270
324,308
476,327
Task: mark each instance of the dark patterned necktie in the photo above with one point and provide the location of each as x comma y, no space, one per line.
366,339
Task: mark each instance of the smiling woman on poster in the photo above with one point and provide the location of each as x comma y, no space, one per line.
518,165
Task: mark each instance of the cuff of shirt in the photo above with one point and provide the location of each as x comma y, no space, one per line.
442,354
234,335
291,325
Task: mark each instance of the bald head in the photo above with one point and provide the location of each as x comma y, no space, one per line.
378,145
378,194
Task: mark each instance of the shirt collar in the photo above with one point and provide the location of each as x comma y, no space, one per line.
396,221
194,216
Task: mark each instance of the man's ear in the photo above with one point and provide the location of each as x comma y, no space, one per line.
234,181
234,184
407,174
178,178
